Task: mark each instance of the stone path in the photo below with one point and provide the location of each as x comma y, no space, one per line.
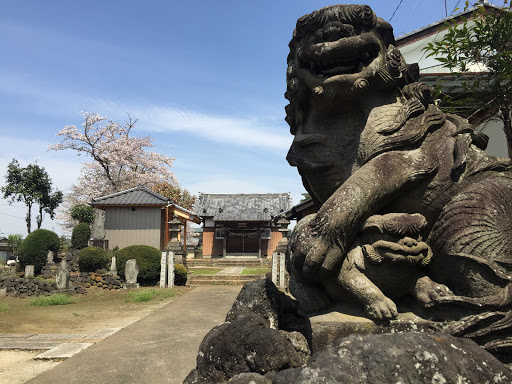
231,271
57,346
160,348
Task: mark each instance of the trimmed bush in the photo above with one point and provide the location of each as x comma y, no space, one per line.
148,260
180,274
80,236
92,258
34,249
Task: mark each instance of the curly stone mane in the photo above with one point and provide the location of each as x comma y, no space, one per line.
396,73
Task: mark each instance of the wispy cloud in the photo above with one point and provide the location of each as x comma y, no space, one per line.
244,132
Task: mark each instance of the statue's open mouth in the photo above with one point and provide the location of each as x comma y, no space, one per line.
347,55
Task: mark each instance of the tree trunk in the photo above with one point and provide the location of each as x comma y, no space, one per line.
39,218
28,218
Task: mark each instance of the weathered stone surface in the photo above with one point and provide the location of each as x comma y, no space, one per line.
409,204
246,345
249,378
261,297
98,225
29,271
131,271
63,277
400,358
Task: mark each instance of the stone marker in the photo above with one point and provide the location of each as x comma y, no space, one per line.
170,270
98,225
63,275
163,270
113,266
49,257
29,271
3,292
130,272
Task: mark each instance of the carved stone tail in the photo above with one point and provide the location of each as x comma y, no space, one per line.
475,229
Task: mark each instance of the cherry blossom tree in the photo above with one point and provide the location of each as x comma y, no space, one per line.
118,161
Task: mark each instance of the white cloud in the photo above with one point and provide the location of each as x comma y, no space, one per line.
225,129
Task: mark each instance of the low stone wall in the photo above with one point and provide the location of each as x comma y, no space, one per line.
99,279
21,287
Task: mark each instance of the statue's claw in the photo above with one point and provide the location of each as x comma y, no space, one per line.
429,292
382,309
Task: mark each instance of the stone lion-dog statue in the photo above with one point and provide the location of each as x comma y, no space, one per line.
409,203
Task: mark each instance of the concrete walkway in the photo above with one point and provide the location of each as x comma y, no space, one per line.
160,348
231,271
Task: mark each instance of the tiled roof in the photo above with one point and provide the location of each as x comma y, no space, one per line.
135,196
242,207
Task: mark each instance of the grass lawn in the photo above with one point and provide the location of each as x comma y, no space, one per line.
204,271
256,271
86,313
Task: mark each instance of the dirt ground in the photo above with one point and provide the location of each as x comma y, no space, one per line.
92,312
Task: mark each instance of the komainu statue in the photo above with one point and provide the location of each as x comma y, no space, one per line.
409,204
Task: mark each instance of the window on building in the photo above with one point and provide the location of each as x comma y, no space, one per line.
219,233
265,233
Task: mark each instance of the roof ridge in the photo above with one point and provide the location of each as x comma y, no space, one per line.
139,187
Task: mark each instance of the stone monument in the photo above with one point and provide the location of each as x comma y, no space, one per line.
98,230
174,244
131,272
63,277
414,222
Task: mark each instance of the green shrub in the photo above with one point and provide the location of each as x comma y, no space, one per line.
80,236
82,213
55,299
92,258
34,249
180,274
148,260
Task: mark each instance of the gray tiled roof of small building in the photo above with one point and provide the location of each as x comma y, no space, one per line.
135,196
242,207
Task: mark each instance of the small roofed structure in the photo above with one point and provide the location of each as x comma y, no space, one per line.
139,216
241,224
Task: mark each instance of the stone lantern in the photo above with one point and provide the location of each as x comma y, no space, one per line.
174,245
282,225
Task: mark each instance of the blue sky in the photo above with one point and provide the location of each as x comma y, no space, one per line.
204,78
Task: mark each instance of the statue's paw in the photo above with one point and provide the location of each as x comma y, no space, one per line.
382,309
429,292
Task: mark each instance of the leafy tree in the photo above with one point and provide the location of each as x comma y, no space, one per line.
176,193
82,213
484,42
305,196
31,185
13,242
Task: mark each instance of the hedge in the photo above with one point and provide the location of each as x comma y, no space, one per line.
92,258
34,249
148,259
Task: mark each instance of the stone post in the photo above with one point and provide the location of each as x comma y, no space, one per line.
282,270
113,266
163,270
275,256
63,275
170,269
29,271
